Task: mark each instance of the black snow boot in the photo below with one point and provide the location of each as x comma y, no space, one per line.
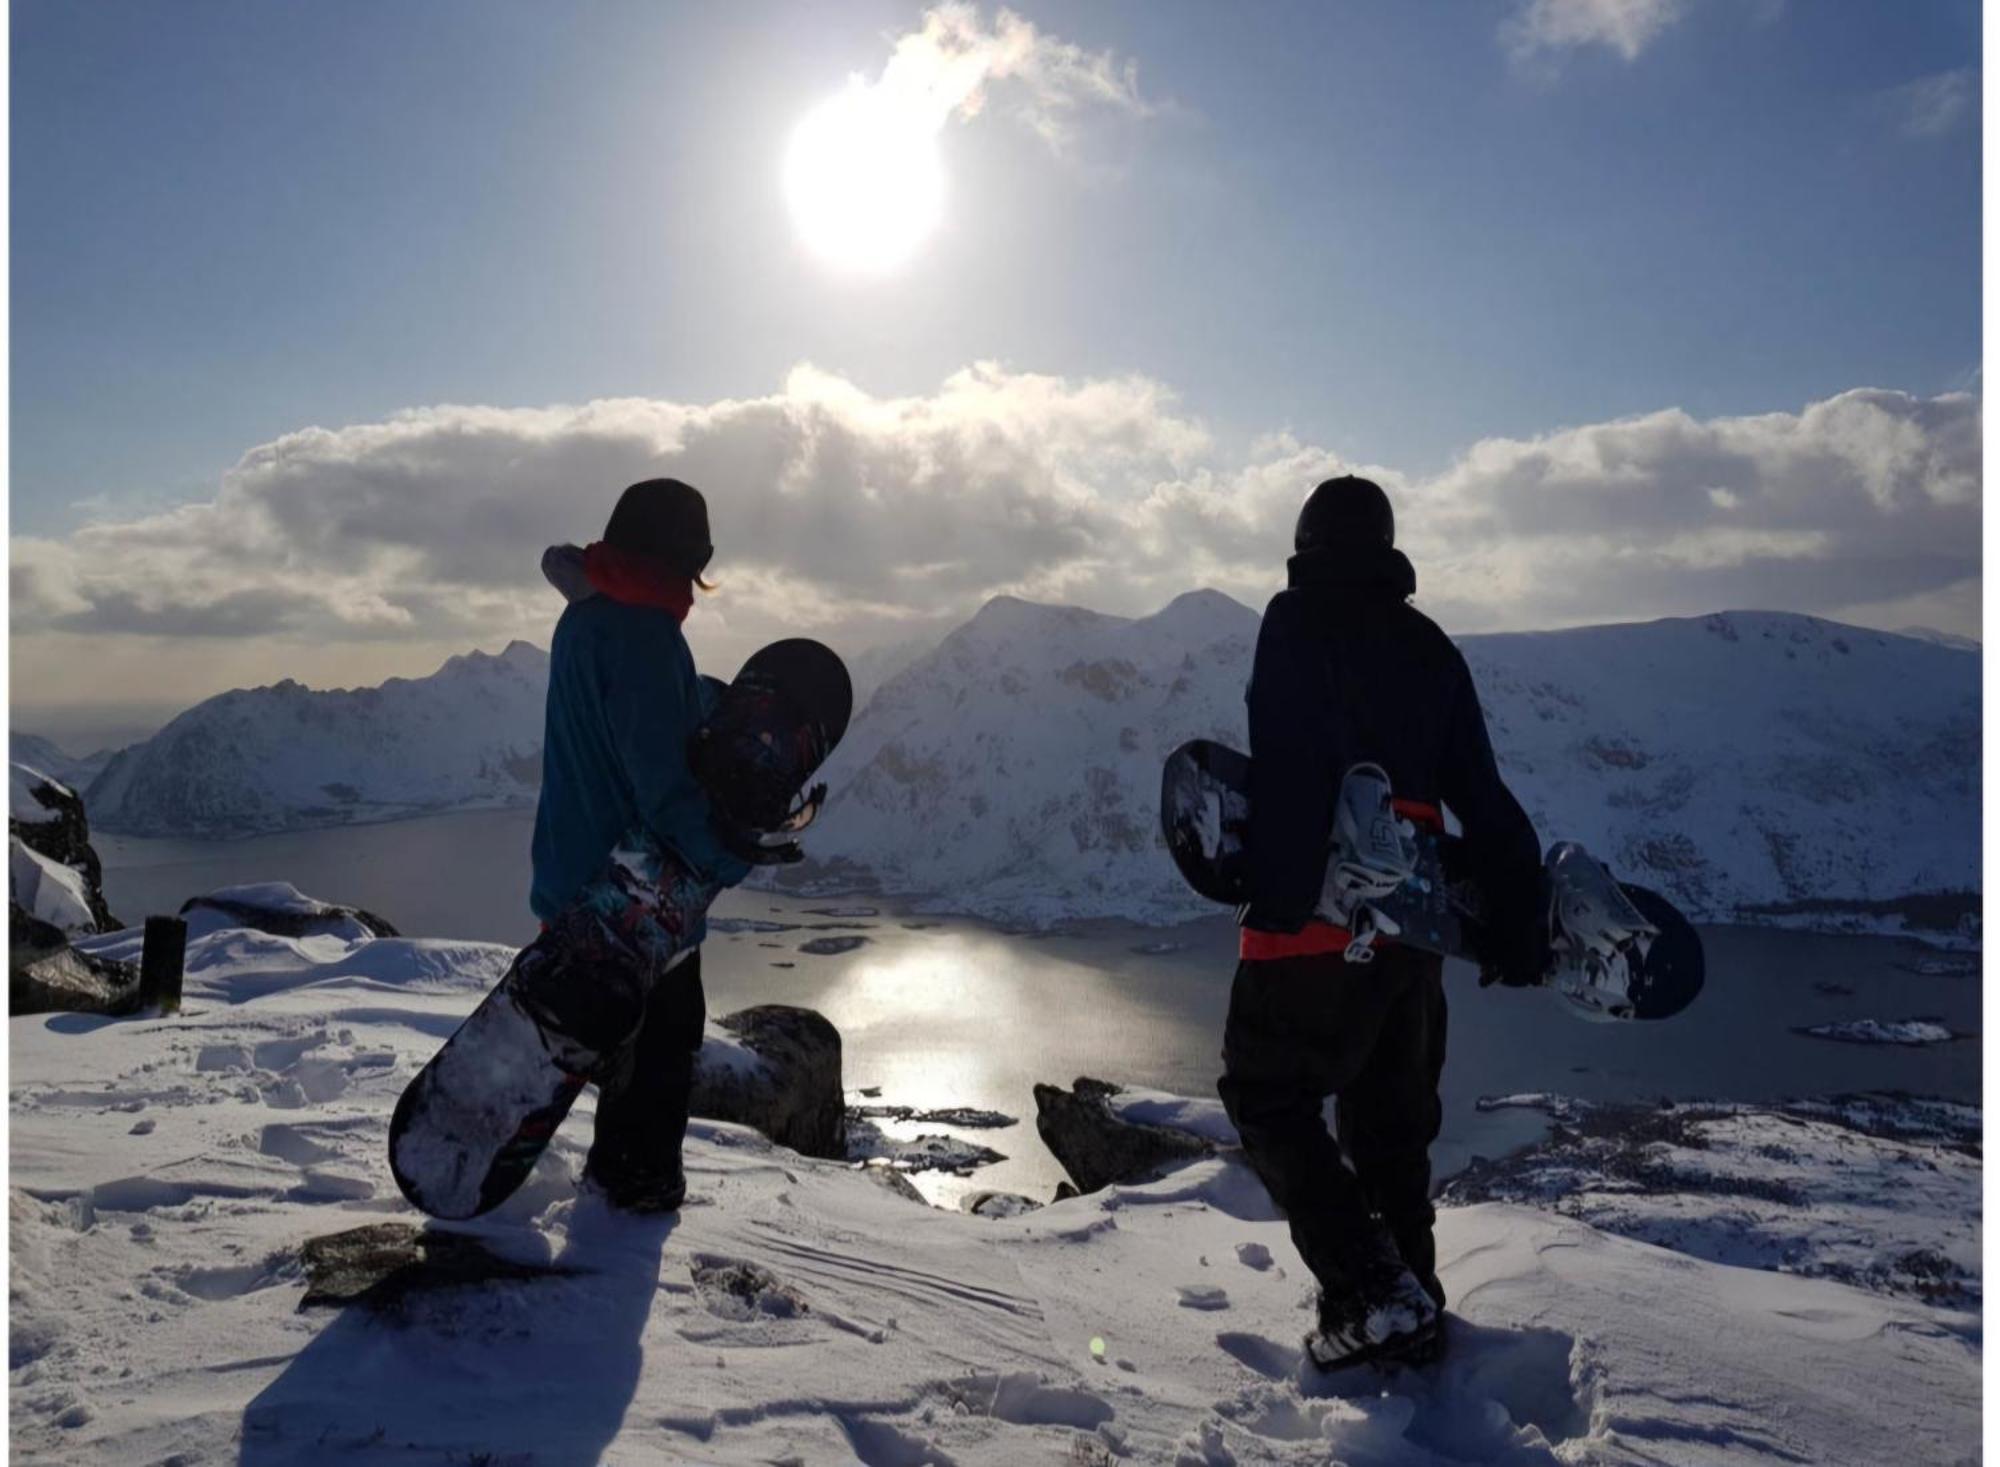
642,1108
1391,1318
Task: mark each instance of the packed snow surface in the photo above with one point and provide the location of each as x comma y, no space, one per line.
165,1173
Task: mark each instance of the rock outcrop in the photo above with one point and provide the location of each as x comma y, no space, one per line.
776,1069
1097,1146
281,909
55,892
46,818
63,980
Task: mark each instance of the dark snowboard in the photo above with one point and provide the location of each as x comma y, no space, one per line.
1205,817
471,1125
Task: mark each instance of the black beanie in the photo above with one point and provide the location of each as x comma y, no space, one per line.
1347,511
665,520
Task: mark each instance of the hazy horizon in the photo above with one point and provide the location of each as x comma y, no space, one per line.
83,729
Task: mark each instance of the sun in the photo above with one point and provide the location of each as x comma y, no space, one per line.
864,181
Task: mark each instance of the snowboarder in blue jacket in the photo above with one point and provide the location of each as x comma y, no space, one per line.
623,702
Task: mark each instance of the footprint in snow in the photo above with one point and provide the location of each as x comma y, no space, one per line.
1203,1296
1267,1357
1253,1255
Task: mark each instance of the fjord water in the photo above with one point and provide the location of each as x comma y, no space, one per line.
942,1011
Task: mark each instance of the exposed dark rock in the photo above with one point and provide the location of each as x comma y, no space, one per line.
827,947
1097,1147
61,979
792,1092
44,974
954,1154
964,1116
307,918
383,1264
998,1204
888,1178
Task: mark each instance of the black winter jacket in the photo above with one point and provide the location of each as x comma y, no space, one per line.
1347,671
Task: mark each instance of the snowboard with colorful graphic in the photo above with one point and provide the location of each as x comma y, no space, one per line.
472,1123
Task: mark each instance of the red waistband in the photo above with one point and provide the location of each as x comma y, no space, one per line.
1316,938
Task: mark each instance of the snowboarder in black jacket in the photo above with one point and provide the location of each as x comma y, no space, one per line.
1346,672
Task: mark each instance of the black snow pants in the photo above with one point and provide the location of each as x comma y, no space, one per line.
642,1107
1372,1036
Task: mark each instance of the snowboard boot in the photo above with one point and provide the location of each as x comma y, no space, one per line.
1393,1318
635,1156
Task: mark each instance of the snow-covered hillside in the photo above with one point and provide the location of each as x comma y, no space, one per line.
284,757
1735,760
47,756
166,1175
1017,767
1731,760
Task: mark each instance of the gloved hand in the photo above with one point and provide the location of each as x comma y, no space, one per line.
1518,963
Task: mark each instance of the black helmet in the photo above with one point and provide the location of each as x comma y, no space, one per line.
1345,511
665,520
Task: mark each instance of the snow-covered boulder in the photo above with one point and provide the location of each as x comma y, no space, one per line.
281,909
1099,1142
776,1069
55,892
54,875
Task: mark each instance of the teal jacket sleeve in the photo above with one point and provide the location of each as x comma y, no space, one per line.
652,710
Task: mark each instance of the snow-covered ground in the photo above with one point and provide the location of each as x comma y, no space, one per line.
1881,1190
165,1173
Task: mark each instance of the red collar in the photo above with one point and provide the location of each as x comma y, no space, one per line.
637,580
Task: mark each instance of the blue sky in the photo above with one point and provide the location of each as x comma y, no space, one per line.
1379,227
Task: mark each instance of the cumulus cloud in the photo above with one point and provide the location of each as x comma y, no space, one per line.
867,518
1543,28
1932,106
954,63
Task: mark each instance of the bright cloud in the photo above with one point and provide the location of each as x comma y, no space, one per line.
867,518
954,61
1932,106
1541,27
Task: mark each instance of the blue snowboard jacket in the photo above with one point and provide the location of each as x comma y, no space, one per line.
623,700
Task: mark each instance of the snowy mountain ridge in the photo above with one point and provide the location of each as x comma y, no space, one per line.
1735,760
1732,760
287,757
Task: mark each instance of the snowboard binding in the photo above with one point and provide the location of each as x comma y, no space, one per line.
1599,939
1372,857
